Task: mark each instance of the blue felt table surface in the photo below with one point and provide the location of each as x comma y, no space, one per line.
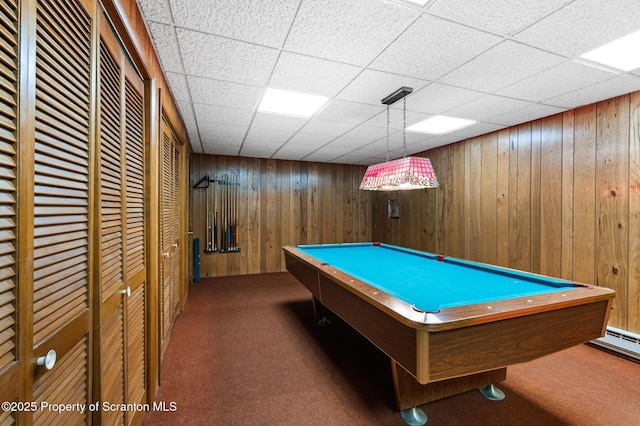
421,280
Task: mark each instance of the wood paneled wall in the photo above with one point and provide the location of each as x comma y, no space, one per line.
281,203
558,196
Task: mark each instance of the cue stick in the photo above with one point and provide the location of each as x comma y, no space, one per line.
235,242
226,213
229,212
215,231
235,220
222,219
208,222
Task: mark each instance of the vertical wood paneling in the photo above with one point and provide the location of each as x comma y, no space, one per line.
271,242
442,170
584,242
503,203
521,258
634,213
612,206
513,255
254,219
488,217
568,189
313,203
472,199
455,207
549,245
284,202
536,202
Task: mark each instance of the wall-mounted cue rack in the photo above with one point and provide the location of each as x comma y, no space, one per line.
222,213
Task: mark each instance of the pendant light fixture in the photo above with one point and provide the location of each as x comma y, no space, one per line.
406,172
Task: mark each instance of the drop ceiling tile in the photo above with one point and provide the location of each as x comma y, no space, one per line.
396,142
583,25
320,157
525,114
276,121
225,59
189,119
555,81
301,145
178,85
222,115
481,129
221,133
263,22
504,64
430,143
220,149
223,93
372,86
355,157
228,138
396,118
367,132
308,141
497,16
437,98
156,11
328,128
347,31
486,106
166,44
264,143
436,47
350,112
604,90
335,149
314,76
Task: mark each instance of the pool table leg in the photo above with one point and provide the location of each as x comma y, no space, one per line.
321,312
414,416
491,392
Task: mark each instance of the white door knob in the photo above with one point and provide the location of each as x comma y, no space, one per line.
48,361
165,254
127,291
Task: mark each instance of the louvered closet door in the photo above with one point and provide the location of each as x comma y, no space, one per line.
110,353
122,341
176,225
166,234
135,307
8,191
170,229
62,206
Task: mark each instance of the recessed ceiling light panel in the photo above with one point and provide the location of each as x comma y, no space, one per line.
418,2
296,104
622,53
440,124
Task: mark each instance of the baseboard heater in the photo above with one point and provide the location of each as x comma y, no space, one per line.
621,341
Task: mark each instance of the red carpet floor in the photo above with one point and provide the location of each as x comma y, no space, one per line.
247,351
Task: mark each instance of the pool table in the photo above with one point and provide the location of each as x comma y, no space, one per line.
448,325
